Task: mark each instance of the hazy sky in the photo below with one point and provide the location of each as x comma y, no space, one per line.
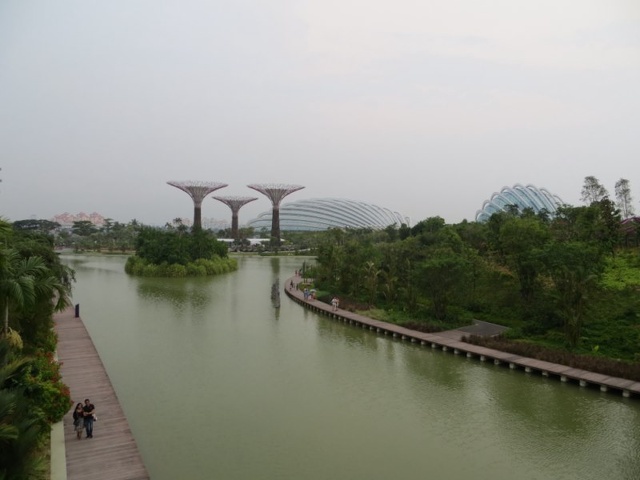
424,107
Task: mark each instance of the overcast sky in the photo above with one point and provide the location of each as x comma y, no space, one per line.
425,107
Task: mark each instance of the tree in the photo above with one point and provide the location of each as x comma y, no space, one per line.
427,229
574,268
521,239
474,234
404,231
440,277
17,282
39,226
371,274
607,225
593,191
84,228
624,199
52,290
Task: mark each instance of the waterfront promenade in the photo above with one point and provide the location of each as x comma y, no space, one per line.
450,340
112,454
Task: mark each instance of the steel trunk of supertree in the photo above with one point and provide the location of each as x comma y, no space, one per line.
197,191
235,203
275,193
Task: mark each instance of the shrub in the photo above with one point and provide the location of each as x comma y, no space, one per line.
195,270
201,267
43,385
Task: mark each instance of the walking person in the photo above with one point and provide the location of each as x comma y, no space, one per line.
78,420
89,410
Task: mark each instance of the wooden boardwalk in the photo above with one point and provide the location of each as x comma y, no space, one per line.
451,341
112,454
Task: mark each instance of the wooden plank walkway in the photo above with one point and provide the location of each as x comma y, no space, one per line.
451,341
112,454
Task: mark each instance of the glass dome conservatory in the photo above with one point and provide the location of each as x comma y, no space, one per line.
324,213
530,196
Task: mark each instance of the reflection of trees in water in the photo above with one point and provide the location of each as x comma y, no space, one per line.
543,420
100,266
345,333
275,266
436,367
418,358
594,433
177,293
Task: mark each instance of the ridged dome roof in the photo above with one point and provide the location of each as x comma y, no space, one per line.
523,197
324,213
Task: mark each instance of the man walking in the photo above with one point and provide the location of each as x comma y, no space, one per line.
88,409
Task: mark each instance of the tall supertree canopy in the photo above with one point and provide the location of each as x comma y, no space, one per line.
275,193
235,204
197,190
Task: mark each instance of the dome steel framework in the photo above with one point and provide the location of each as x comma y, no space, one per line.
529,196
324,213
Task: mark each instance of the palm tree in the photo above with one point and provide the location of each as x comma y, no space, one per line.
18,282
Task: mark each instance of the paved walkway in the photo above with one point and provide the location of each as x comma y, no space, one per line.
450,340
112,454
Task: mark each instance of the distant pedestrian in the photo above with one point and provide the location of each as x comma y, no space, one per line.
78,420
291,285
89,411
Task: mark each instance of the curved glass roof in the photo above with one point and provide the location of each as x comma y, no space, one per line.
523,197
323,213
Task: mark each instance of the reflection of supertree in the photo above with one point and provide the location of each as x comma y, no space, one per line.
275,193
235,203
197,191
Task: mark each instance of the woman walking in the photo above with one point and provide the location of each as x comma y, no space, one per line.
78,420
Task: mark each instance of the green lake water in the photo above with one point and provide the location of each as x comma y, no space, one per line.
219,384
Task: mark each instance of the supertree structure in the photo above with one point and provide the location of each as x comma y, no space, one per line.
275,193
197,190
235,204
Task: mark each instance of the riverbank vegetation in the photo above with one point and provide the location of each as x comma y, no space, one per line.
33,285
568,283
176,252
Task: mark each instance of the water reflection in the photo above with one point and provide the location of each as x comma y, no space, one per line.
179,294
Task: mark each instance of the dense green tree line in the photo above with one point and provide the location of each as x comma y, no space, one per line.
549,278
112,236
33,285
